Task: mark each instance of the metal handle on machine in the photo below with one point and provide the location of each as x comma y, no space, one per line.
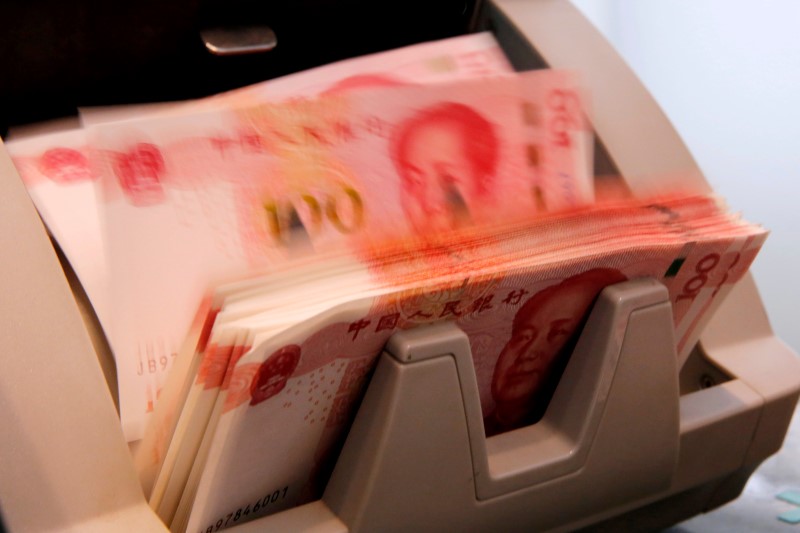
238,40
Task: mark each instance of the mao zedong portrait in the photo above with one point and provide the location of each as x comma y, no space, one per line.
446,156
543,334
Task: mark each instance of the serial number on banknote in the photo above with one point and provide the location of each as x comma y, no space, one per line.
243,512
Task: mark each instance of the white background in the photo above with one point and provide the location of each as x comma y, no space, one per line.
727,73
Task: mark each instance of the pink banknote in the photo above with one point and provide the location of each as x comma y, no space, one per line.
193,199
291,398
61,179
57,174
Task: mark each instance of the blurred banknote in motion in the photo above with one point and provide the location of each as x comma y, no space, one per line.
192,198
65,185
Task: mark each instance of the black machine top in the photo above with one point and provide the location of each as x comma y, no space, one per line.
57,56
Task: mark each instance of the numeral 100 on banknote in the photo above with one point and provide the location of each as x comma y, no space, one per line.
344,212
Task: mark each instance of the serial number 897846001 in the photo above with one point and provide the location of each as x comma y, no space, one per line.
243,512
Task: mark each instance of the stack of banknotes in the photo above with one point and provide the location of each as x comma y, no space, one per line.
248,255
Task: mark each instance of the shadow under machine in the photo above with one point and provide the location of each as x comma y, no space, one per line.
629,440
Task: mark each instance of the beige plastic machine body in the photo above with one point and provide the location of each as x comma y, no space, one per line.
620,443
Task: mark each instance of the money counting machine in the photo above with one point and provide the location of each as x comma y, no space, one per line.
630,441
